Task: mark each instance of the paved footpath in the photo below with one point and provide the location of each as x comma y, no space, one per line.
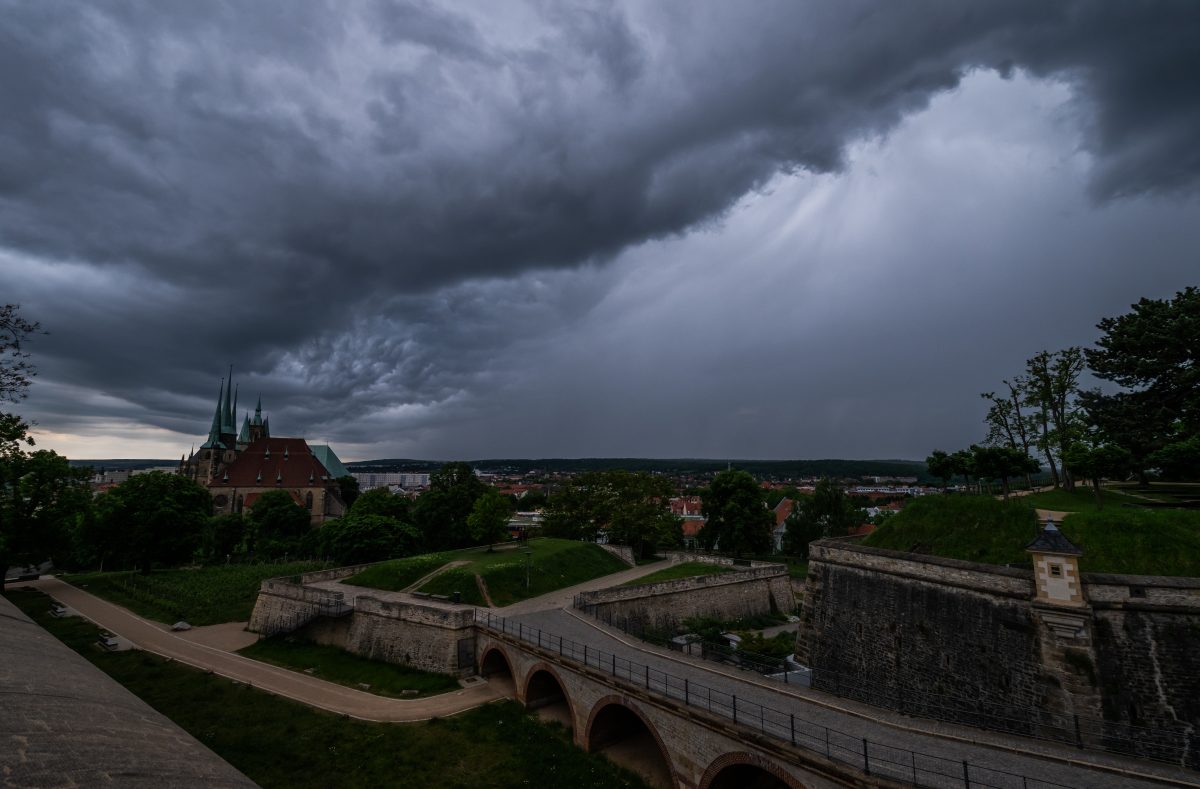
298,686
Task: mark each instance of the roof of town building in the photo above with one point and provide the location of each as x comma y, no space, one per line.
280,462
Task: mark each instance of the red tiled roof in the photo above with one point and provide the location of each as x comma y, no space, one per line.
865,528
782,510
274,462
692,527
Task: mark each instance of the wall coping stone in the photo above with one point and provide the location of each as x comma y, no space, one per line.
842,544
656,588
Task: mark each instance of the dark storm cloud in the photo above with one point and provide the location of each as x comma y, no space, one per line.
332,194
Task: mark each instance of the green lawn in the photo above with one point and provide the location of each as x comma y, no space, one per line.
200,596
681,570
282,743
1082,499
981,529
398,574
551,564
337,665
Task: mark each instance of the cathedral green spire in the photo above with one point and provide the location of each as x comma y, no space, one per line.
214,432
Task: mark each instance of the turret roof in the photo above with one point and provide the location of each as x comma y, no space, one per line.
1051,540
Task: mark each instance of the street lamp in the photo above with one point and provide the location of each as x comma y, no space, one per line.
528,564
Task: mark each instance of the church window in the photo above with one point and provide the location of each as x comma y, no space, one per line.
221,501
240,502
308,501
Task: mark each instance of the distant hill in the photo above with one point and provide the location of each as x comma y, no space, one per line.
120,464
766,469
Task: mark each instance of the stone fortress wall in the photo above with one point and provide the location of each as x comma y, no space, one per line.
973,644
664,605
423,635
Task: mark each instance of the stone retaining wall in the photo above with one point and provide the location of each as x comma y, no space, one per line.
411,634
967,642
622,552
664,605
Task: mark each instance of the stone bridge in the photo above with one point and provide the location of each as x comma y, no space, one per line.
680,732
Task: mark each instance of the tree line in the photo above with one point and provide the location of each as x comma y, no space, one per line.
1146,421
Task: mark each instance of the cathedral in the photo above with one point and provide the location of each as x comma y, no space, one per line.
239,465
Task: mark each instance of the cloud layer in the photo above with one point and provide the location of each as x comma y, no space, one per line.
405,223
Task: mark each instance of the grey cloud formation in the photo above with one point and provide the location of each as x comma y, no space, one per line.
384,213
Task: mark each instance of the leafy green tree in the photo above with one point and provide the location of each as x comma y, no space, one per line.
1096,463
45,503
962,463
1002,463
737,520
1052,388
358,538
630,508
348,490
441,512
489,518
942,465
828,512
381,501
1179,460
1153,353
223,536
278,525
150,519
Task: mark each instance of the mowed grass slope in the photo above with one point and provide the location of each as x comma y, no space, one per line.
552,564
200,596
345,668
1082,499
982,529
282,743
681,570
971,528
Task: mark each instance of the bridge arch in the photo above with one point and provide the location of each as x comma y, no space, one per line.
546,692
741,770
623,733
496,667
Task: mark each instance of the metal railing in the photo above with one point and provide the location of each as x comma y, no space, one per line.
1081,731
860,753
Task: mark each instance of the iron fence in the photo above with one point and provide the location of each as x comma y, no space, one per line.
1084,732
861,753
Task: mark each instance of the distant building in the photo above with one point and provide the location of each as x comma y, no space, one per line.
388,479
782,512
238,467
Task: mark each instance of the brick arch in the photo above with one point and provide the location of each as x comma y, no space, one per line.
624,701
742,757
552,672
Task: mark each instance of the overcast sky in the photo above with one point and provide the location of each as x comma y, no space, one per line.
670,229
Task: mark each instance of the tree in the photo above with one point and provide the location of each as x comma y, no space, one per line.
277,524
348,489
441,512
1002,463
45,502
630,508
381,501
1179,460
358,538
962,463
1095,463
149,519
941,465
736,518
1153,353
223,536
488,520
829,512
1052,381
16,371
1008,425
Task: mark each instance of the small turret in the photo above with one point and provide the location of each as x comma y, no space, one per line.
1056,567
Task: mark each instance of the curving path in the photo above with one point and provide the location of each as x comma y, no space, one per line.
157,638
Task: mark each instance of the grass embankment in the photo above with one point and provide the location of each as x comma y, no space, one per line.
398,574
1082,499
681,570
971,528
282,743
200,596
981,529
552,565
337,665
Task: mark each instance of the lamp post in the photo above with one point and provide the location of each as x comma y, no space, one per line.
528,563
